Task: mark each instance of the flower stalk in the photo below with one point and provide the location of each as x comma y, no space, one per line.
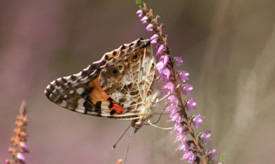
175,86
19,140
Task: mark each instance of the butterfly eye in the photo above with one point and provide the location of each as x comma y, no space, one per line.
135,57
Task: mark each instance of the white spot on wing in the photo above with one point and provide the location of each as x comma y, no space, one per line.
78,74
80,108
63,103
104,106
80,90
80,101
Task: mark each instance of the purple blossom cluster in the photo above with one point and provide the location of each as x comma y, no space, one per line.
19,140
177,89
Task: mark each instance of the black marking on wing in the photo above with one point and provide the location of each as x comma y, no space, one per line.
98,104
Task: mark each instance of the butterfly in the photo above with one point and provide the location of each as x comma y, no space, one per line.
118,86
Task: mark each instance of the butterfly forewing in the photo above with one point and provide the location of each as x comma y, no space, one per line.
117,86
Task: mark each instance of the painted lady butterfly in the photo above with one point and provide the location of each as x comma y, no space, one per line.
118,86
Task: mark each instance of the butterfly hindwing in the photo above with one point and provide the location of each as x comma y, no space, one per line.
129,78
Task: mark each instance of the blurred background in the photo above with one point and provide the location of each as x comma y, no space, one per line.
227,46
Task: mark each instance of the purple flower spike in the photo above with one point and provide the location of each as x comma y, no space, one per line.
168,88
149,27
178,61
183,147
144,19
189,156
191,104
160,49
175,89
187,89
197,120
205,136
139,13
183,75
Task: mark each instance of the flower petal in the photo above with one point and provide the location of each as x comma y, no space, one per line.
168,88
160,49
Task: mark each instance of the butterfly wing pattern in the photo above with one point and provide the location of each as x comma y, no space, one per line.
119,86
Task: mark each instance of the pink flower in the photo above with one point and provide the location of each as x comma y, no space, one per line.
165,75
184,146
24,147
20,157
205,136
175,117
181,137
197,120
212,154
187,89
173,100
160,49
171,108
178,61
144,19
154,39
189,156
139,13
183,76
178,127
163,60
191,104
168,88
149,27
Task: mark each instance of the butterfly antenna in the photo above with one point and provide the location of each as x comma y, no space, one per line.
128,146
120,137
156,120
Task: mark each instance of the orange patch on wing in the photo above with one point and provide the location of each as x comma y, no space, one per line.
98,94
117,108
